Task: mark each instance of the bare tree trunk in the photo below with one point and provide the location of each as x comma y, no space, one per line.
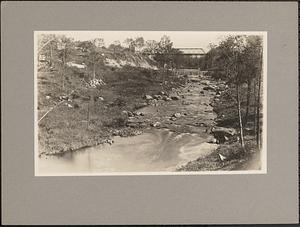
164,72
258,129
254,109
63,70
50,62
88,116
199,67
63,77
248,101
94,68
240,116
258,113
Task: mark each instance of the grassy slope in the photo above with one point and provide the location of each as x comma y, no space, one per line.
65,128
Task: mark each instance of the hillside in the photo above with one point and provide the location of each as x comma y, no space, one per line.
76,110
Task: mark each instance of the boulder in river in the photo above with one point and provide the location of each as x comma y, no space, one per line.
166,98
158,97
205,82
128,113
143,104
155,124
148,97
209,88
212,140
139,113
176,115
223,131
175,97
109,141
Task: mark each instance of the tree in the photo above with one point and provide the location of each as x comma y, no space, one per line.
134,44
93,55
151,47
258,102
116,45
47,46
139,43
231,52
99,42
252,63
85,45
238,61
129,42
65,48
163,51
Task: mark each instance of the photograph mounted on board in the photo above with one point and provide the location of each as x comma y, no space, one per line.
150,102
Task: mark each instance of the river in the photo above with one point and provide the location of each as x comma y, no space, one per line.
153,151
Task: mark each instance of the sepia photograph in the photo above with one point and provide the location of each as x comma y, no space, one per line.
150,102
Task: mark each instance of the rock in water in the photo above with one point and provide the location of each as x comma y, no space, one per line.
166,98
212,140
157,97
209,88
155,124
139,114
224,131
109,141
223,134
148,97
175,97
176,115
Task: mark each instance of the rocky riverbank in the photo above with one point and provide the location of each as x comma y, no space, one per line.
228,155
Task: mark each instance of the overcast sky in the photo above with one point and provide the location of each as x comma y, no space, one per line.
179,38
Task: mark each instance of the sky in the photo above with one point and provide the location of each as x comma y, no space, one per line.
199,39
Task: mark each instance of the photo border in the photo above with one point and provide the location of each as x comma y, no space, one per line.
150,200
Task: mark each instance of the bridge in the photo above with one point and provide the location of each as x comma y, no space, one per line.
192,51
